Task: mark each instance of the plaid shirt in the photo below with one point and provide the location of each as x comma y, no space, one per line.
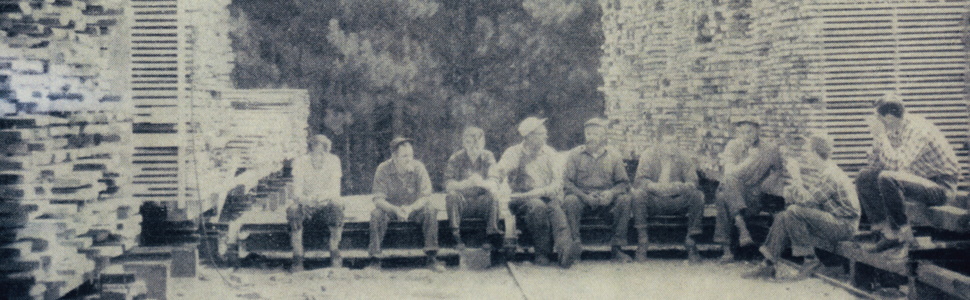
827,188
918,147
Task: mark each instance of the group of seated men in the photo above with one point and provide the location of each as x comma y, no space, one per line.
910,160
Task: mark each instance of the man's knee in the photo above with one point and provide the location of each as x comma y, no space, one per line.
378,215
572,203
886,180
337,204
454,198
867,176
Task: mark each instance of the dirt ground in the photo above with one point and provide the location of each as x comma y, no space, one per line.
658,279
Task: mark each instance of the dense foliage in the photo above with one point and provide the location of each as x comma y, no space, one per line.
424,69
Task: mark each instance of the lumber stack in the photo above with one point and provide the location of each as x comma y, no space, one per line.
64,126
797,64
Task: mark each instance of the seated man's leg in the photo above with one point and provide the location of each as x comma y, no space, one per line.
574,208
620,213
896,187
456,203
808,228
870,199
694,202
379,219
568,248
491,212
535,213
427,217
640,208
295,215
734,198
335,223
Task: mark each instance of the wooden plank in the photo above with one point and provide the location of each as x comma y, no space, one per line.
953,283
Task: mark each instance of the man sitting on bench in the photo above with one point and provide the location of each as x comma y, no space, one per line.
910,159
595,180
665,184
401,189
316,192
752,168
465,181
534,182
823,209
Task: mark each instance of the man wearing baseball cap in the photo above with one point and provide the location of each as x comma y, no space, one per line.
535,181
401,189
595,180
316,191
910,160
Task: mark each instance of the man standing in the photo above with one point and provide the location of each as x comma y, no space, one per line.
535,182
823,209
465,183
910,159
401,189
752,168
666,183
316,186
595,180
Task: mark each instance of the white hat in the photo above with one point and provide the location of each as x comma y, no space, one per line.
530,124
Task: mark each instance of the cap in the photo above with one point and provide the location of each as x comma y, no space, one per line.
596,122
529,125
749,119
397,141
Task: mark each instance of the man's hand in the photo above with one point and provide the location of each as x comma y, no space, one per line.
475,180
403,212
605,197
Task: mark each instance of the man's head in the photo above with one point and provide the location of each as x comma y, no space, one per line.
473,139
668,134
889,110
819,144
534,132
401,151
319,142
595,131
747,129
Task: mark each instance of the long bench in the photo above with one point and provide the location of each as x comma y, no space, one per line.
265,233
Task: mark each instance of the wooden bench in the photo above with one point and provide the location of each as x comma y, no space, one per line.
943,217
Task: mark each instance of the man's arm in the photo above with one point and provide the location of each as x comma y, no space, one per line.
641,181
689,174
380,188
621,181
424,183
569,177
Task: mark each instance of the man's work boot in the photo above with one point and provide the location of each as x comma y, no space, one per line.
765,270
541,259
297,264
643,242
809,267
619,256
570,255
434,264
459,244
726,257
336,261
693,256
744,237
374,263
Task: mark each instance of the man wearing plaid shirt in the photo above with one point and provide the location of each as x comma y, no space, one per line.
823,209
910,159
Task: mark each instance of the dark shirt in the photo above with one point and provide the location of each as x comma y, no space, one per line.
401,187
461,166
589,172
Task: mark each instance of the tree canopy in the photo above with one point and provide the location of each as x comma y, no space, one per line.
424,69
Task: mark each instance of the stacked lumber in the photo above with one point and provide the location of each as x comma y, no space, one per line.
797,64
64,127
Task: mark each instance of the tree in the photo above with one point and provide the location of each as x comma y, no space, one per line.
425,69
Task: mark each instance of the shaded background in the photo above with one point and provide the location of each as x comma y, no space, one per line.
424,69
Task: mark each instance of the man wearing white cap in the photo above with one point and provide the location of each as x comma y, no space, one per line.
535,181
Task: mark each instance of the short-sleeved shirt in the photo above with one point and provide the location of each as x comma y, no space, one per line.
918,147
461,166
592,172
527,171
401,187
316,176
651,167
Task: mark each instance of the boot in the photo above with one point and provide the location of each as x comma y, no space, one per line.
726,257
693,256
619,256
459,244
336,261
744,237
297,264
433,262
374,263
643,242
